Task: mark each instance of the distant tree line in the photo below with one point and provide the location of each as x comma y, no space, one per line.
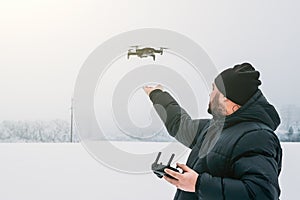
291,135
57,131
36,131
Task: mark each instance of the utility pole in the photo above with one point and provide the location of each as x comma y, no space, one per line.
71,129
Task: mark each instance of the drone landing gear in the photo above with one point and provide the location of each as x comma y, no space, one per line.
153,56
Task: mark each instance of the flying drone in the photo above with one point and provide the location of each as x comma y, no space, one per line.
144,52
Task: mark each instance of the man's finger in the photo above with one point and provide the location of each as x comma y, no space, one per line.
147,89
159,86
183,167
173,174
171,180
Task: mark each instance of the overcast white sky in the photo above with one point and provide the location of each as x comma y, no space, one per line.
44,43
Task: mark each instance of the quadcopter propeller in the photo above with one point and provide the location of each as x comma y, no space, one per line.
162,49
135,46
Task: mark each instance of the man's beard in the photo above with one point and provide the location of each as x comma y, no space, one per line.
215,108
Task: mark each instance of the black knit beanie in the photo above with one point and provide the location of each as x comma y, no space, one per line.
238,83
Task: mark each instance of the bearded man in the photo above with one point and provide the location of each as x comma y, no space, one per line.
236,154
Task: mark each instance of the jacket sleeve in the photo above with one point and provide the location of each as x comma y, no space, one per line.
177,121
256,166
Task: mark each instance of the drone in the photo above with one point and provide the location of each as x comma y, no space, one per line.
144,52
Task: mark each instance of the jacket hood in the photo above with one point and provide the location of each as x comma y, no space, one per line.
257,109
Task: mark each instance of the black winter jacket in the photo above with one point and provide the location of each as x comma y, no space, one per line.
242,163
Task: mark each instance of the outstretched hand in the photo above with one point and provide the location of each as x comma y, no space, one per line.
148,89
185,181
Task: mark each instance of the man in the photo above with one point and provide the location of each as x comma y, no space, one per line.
235,155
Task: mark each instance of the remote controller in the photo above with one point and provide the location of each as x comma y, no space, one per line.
158,168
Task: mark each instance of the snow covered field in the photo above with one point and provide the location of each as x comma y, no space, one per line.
67,171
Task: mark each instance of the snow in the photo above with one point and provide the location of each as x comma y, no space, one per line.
45,171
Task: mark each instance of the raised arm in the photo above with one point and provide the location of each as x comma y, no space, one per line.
177,121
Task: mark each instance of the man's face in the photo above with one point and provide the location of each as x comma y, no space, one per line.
216,105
